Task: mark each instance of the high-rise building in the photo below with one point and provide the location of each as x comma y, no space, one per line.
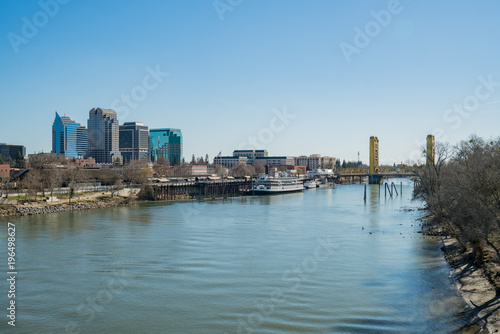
64,136
134,141
103,136
81,141
166,143
12,151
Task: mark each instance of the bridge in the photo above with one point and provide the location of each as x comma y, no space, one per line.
376,173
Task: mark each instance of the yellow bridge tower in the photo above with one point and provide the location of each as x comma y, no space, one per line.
431,150
374,155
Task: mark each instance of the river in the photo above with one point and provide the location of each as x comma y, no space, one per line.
320,261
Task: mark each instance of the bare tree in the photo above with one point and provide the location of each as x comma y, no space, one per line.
53,179
40,160
219,169
137,172
33,183
242,170
162,167
260,169
181,170
464,192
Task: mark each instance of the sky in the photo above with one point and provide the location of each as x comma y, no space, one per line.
293,77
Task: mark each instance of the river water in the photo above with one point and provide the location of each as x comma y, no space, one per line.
321,261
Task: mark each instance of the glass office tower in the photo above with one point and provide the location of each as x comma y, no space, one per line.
81,141
166,143
64,136
134,141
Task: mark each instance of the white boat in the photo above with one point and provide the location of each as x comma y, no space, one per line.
267,184
310,184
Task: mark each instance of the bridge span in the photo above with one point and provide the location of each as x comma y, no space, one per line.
376,173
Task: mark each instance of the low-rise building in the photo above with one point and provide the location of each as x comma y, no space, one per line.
230,162
315,161
85,162
197,170
5,171
275,161
250,154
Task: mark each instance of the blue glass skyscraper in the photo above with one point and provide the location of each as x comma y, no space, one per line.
166,143
64,136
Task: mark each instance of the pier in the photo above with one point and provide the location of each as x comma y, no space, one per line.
200,189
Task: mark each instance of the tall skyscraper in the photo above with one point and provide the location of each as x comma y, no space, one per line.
103,136
133,141
81,141
64,136
166,143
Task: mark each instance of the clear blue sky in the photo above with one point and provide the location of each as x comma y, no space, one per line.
228,77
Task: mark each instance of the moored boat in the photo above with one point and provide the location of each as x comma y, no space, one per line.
283,183
310,184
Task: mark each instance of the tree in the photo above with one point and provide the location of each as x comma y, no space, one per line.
41,160
193,160
430,179
343,164
19,163
162,167
116,186
137,172
219,169
53,179
462,191
259,169
117,162
200,161
2,159
71,193
181,170
32,182
242,170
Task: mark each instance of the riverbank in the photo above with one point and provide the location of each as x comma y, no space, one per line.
87,202
37,208
475,287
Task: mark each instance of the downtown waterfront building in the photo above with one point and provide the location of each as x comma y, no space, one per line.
82,135
66,135
166,143
103,136
12,151
134,138
251,155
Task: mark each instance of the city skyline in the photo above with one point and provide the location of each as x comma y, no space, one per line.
292,77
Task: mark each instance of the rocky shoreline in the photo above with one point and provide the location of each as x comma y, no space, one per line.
37,209
475,287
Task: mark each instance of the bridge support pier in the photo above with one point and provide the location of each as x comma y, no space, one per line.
375,179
